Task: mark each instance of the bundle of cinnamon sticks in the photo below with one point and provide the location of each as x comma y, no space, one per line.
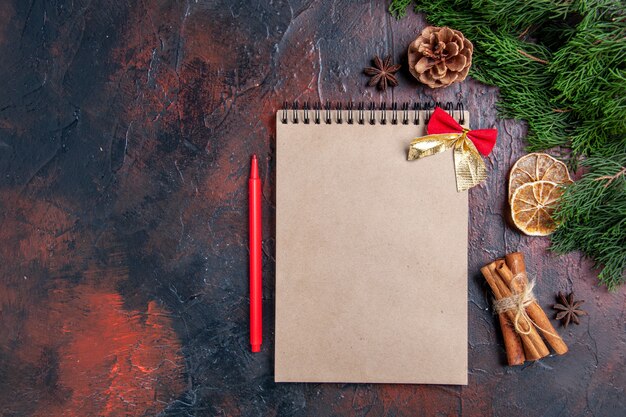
522,320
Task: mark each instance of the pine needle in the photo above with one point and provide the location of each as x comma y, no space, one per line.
397,8
592,217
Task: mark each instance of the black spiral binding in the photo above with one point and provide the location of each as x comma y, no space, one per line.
362,113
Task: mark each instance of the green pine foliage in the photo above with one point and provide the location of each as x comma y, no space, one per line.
593,216
560,66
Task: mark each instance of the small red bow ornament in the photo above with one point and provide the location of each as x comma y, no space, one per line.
445,133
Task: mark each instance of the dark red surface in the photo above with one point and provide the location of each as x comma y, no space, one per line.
125,134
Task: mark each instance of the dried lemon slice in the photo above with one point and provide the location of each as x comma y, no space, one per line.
537,167
532,206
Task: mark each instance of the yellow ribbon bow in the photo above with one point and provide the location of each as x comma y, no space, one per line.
468,164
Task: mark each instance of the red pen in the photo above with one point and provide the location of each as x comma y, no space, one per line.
256,264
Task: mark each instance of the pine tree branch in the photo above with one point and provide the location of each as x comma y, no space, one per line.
534,58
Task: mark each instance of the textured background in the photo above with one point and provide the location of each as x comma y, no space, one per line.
125,134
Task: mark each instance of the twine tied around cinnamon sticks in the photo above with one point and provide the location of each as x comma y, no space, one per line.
518,311
517,303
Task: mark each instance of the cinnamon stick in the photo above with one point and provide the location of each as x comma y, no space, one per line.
533,345
512,342
517,280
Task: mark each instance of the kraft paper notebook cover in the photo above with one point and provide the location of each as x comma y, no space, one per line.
371,253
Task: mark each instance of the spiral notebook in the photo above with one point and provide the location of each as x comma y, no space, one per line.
371,250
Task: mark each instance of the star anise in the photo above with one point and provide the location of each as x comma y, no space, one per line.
382,73
568,309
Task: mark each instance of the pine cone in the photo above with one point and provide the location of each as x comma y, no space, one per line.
440,56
